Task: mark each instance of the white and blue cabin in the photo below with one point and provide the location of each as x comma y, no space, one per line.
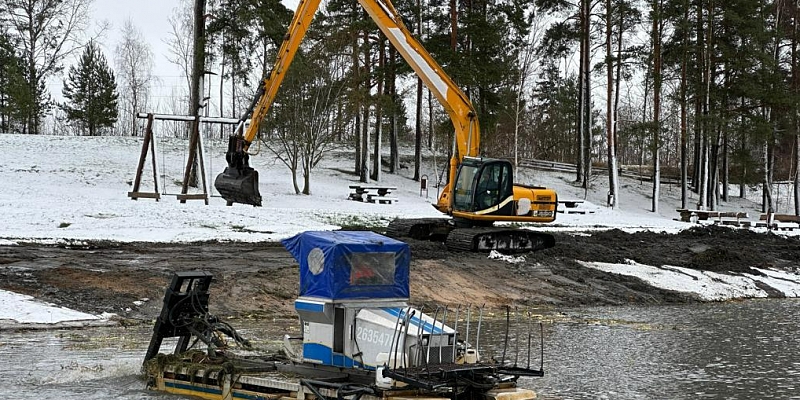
353,304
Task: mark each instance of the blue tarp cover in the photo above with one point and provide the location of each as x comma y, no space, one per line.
350,265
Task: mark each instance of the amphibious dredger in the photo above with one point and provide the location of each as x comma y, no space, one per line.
360,338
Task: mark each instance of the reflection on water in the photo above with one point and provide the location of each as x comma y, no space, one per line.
742,350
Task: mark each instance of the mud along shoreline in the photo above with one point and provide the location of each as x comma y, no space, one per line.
260,279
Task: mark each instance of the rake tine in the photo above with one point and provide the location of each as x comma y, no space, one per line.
516,337
444,320
478,334
505,342
455,335
530,329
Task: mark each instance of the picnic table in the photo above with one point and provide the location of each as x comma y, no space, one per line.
571,207
378,194
570,203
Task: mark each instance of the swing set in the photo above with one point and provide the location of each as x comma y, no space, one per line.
195,146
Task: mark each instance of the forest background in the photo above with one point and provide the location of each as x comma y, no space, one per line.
703,91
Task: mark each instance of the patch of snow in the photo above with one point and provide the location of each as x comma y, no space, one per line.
707,285
25,309
4,242
496,255
786,282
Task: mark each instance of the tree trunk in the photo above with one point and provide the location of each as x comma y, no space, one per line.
581,146
222,95
587,103
767,202
376,162
610,122
742,147
198,67
294,179
357,133
306,176
656,104
725,167
367,104
418,133
418,124
684,122
394,151
614,169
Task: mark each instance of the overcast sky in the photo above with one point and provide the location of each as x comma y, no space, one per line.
151,17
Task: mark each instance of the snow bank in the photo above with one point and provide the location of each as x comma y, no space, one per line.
25,309
707,285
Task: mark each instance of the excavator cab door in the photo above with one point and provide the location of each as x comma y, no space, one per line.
484,187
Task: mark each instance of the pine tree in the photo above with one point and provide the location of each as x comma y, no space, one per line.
91,92
14,93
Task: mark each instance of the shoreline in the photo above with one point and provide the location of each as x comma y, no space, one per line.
259,279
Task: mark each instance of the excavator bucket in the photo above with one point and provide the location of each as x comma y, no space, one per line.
239,186
238,183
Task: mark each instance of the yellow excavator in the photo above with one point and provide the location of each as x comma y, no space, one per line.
481,191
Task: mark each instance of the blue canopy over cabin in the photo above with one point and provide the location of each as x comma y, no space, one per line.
340,265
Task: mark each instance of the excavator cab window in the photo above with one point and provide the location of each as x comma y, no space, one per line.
482,186
465,185
488,191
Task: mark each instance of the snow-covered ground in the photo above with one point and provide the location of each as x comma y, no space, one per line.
22,309
710,286
75,188
64,188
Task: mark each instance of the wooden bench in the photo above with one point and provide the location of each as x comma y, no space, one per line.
784,222
374,198
704,215
378,192
781,217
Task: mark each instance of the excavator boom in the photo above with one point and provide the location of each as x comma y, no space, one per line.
238,183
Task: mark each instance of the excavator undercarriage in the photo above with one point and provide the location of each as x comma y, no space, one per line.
470,238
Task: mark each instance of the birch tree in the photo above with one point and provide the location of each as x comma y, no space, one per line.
134,62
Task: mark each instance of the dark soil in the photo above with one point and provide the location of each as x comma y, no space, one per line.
260,279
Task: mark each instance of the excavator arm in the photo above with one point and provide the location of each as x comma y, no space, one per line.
451,97
239,182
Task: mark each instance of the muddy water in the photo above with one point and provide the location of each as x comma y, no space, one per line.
740,350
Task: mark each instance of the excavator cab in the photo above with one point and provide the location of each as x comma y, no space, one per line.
484,186
238,183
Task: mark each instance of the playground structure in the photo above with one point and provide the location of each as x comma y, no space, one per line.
195,153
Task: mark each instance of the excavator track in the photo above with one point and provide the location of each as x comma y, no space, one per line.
505,240
419,228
